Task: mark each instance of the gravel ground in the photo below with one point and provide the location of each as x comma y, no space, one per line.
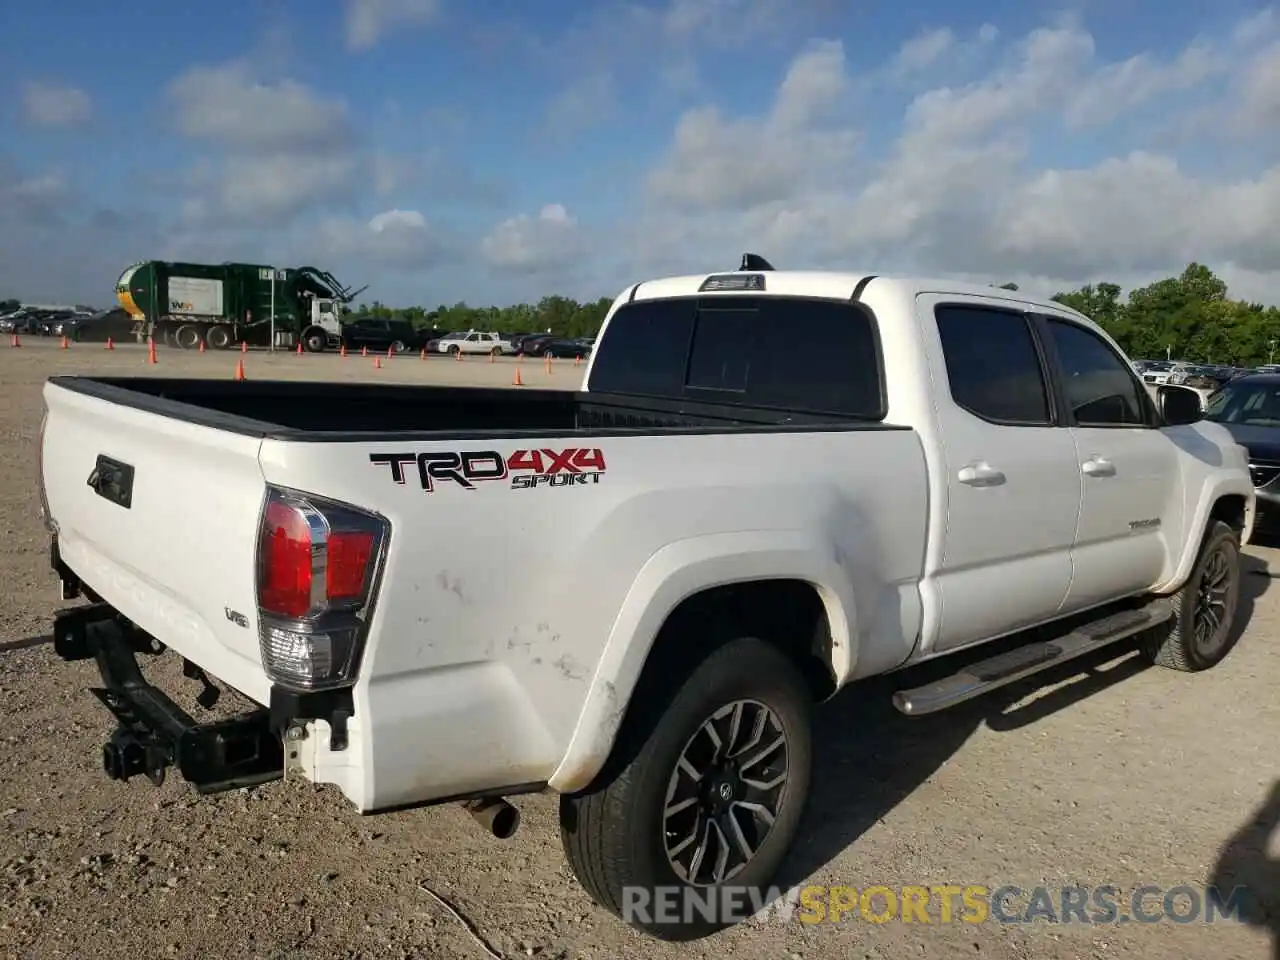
1114,774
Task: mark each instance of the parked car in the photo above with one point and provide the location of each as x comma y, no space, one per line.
114,324
1249,408
377,333
707,538
472,341
555,347
517,341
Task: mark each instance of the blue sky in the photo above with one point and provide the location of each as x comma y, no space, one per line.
441,150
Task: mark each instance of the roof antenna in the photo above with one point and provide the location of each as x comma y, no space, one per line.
753,261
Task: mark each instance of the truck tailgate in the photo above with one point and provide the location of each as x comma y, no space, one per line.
177,555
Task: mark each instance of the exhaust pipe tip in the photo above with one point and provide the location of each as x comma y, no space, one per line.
496,815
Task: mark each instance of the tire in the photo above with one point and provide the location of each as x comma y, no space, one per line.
218,338
454,350
495,352
614,833
397,346
187,337
1217,573
315,341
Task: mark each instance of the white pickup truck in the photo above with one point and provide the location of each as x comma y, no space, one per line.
631,594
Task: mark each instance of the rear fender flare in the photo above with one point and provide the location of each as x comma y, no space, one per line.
671,575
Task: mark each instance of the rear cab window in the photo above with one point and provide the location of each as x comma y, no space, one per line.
806,355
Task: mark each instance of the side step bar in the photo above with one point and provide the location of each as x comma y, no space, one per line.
1003,669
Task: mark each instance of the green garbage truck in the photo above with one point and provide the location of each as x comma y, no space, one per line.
226,304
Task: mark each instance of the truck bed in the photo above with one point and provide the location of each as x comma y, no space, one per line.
311,410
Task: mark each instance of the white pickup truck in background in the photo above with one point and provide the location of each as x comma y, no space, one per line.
633,593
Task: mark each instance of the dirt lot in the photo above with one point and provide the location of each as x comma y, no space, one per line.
1116,775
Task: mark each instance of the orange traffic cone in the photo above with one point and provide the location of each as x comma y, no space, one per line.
516,381
424,353
65,343
364,351
492,356
457,355
391,351
342,350
240,369
244,346
151,350
200,349
14,341
111,344
547,358
577,361
377,363
299,350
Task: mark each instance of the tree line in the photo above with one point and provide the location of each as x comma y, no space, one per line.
1188,317
560,316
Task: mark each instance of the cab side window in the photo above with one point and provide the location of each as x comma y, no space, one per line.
1101,389
993,365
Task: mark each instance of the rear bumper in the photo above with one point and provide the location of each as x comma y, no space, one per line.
153,733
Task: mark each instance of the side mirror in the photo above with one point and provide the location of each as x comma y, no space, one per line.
1178,405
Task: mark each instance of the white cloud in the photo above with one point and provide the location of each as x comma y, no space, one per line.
229,106
1260,92
584,103
369,20
271,150
56,105
719,163
925,49
526,244
398,239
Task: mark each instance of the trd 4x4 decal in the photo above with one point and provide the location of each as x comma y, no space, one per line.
526,469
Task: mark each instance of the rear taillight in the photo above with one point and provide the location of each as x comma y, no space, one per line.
318,566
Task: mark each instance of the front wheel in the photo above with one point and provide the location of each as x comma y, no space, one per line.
1202,633
315,341
398,346
217,338
702,801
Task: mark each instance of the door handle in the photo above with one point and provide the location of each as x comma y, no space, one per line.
1098,467
980,474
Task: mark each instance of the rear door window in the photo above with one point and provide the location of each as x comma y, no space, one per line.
993,364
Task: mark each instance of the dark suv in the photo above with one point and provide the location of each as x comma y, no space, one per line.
379,334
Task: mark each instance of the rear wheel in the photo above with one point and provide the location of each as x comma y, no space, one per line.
188,337
454,350
218,338
701,799
495,352
398,346
1203,632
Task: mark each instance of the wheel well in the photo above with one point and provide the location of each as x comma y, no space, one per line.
789,614
1230,510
